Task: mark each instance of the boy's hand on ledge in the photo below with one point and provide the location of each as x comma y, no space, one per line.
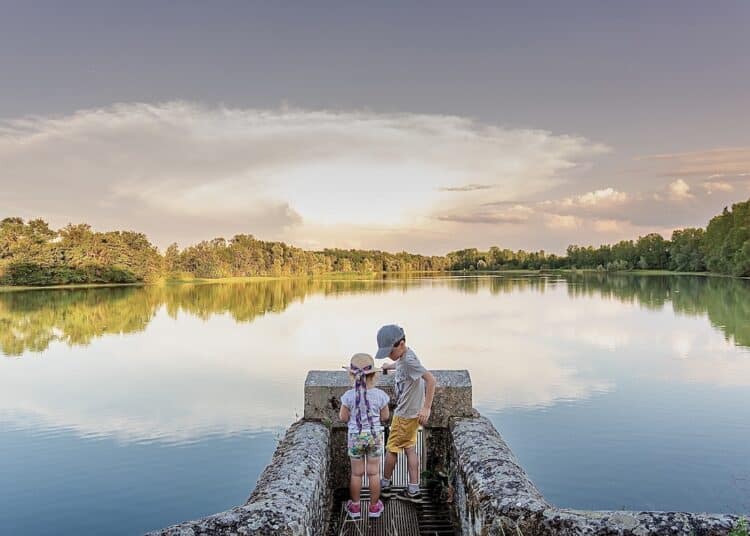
424,416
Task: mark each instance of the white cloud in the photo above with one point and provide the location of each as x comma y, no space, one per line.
597,198
608,226
183,171
717,186
558,221
606,196
427,183
679,190
517,213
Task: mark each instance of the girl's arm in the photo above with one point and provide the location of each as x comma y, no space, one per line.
384,413
344,413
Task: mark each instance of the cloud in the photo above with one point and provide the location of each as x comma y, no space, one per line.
672,205
723,161
717,186
606,196
466,188
559,221
566,213
182,171
597,199
511,214
608,226
679,190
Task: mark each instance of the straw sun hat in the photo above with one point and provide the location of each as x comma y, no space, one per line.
363,361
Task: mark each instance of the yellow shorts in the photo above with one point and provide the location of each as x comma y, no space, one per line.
403,434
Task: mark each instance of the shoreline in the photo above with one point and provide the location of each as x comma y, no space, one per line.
352,276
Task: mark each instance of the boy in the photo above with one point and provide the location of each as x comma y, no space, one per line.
415,389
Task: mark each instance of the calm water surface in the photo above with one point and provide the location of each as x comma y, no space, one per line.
127,409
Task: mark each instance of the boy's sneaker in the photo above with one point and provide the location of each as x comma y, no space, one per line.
353,509
376,510
405,495
386,492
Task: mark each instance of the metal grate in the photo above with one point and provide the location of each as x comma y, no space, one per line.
400,518
400,477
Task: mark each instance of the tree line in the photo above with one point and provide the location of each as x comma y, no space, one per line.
722,247
31,253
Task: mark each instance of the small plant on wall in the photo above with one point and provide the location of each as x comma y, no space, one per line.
740,529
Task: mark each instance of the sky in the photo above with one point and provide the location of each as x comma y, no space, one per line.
417,126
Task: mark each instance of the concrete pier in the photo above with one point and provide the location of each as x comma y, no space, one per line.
475,481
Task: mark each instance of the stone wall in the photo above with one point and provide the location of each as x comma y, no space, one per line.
291,498
323,390
494,496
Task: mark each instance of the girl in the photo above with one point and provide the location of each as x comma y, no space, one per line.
364,407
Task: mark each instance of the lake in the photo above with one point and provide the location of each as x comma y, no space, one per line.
130,408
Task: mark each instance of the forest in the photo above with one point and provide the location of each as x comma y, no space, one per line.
33,254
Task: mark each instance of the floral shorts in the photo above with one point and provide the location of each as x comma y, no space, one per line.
364,444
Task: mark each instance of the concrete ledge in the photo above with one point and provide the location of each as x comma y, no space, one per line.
494,496
323,390
291,497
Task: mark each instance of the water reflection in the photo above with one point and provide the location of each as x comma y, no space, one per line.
601,380
173,363
31,320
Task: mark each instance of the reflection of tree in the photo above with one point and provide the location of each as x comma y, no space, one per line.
726,301
245,301
31,320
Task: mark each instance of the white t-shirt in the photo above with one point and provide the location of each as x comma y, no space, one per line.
377,398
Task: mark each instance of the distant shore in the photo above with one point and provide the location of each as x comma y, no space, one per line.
349,276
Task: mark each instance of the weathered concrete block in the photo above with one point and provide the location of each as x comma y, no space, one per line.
323,390
291,498
489,481
494,496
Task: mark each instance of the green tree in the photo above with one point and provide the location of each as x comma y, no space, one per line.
654,251
686,250
727,241
172,258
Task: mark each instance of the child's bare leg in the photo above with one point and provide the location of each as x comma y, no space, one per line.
390,464
412,463
373,477
355,482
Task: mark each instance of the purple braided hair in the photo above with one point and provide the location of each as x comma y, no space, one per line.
360,388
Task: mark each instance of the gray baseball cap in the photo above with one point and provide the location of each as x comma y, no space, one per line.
387,337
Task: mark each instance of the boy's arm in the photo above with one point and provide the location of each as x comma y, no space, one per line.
429,386
344,413
384,413
388,366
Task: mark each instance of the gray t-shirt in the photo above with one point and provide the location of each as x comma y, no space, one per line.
409,385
